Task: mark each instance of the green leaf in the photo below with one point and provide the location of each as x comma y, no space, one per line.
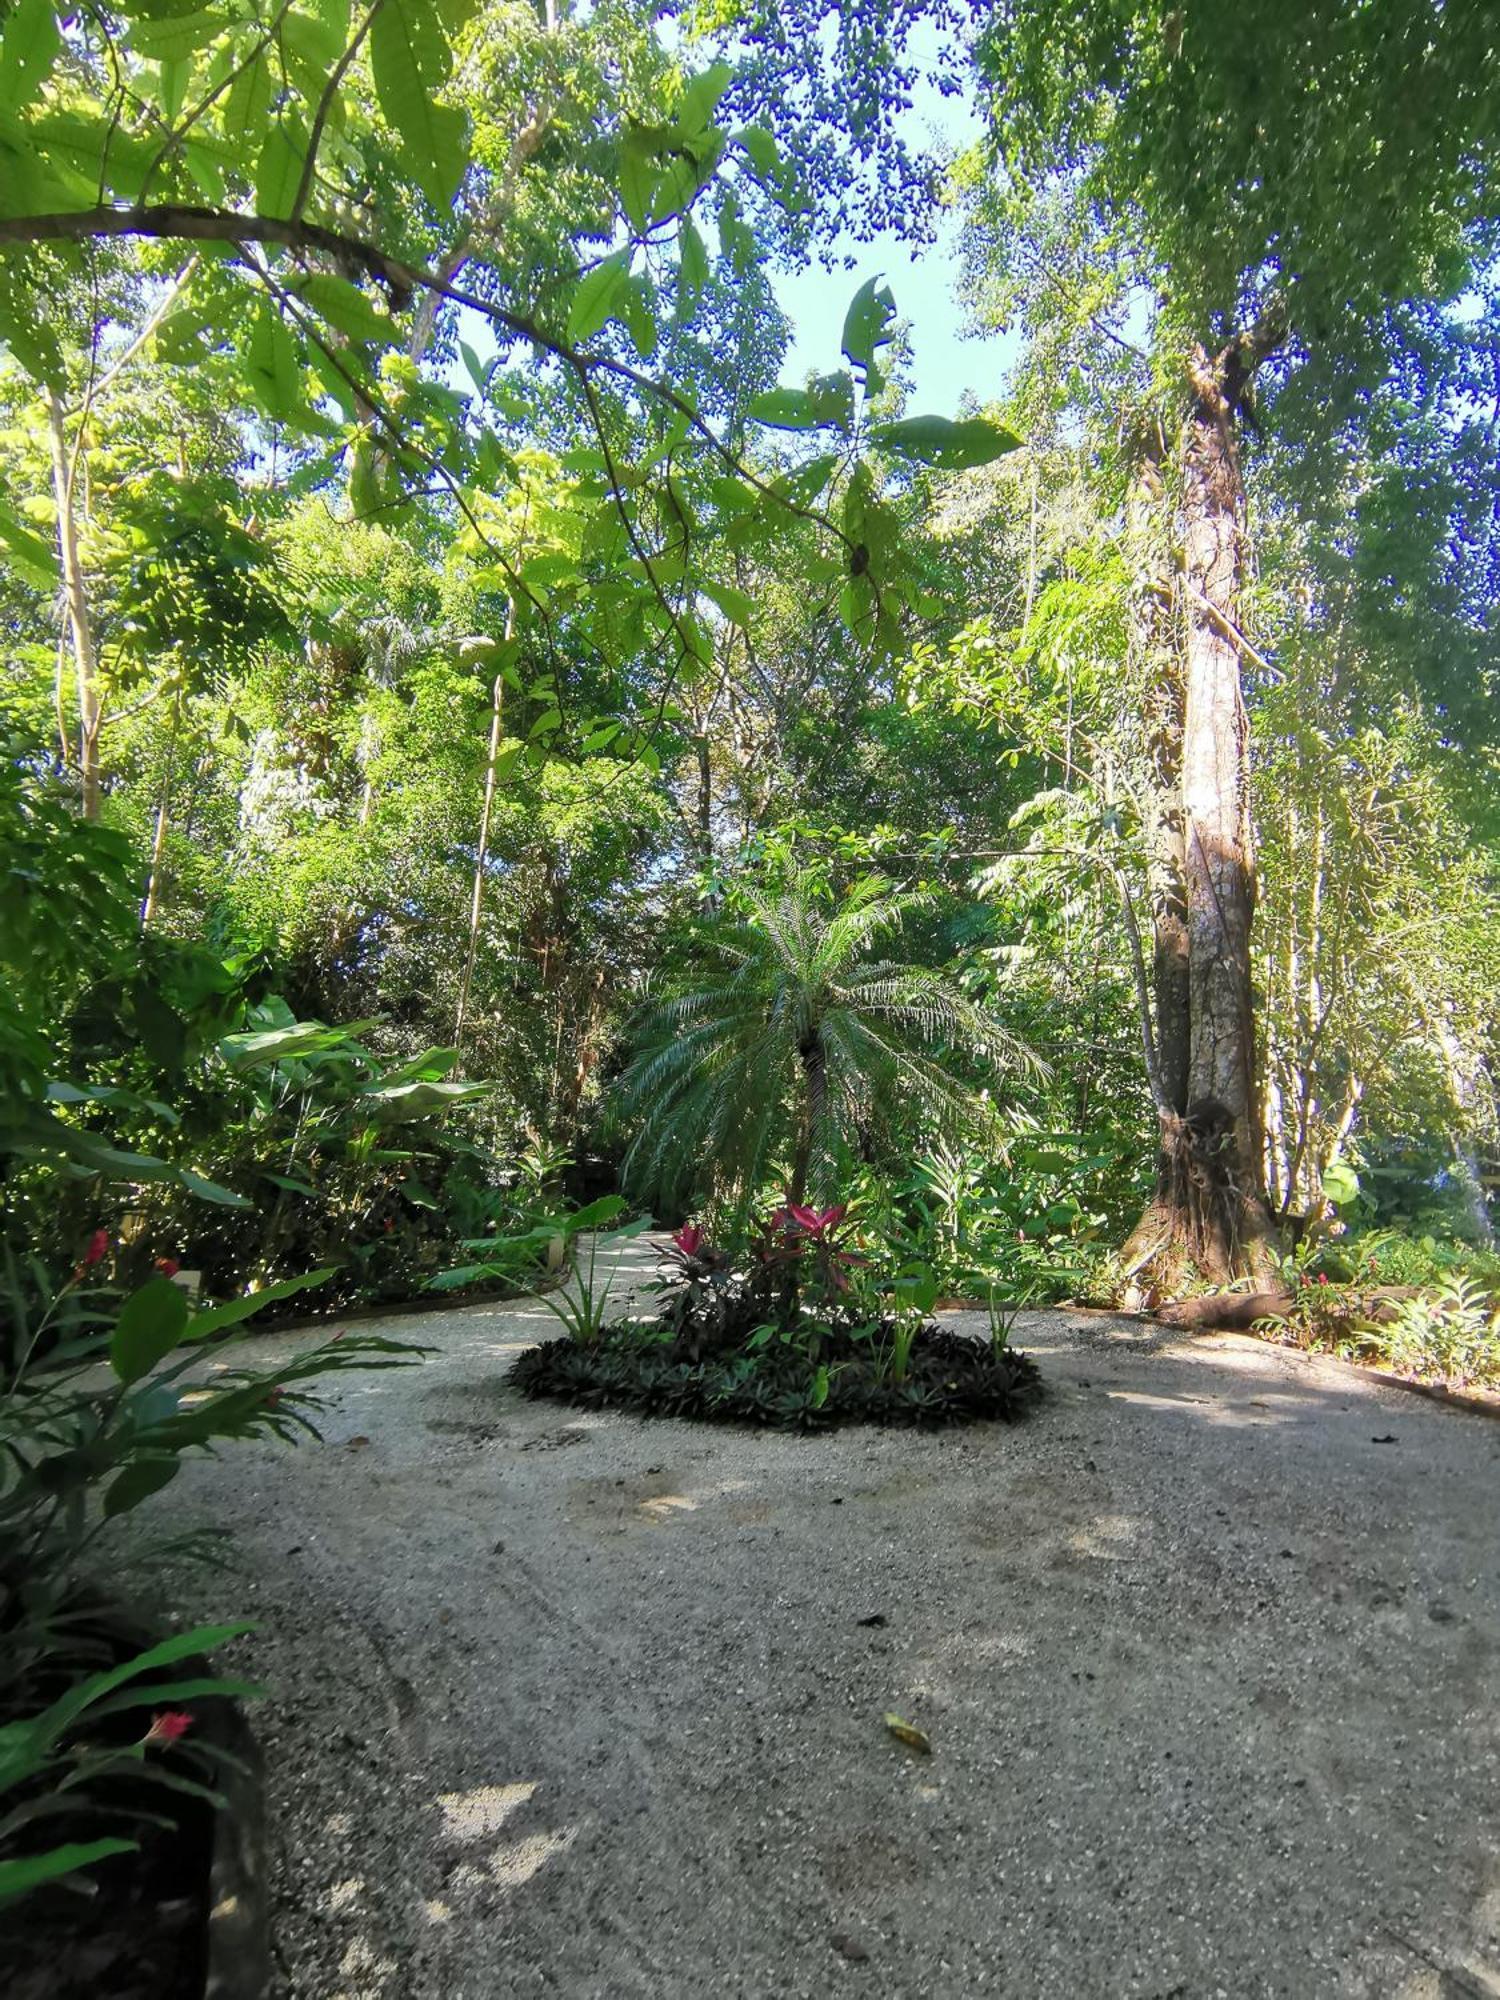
171,39
639,318
274,378
33,344
247,102
784,409
40,1732
1340,1183
692,260
479,374
605,1209
152,1322
737,605
941,442
639,177
410,57
867,321
27,52
345,306
141,1478
207,1190
598,296
204,1323
26,1872
701,98
27,554
765,155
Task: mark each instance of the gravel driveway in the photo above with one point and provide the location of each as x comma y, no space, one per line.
582,1705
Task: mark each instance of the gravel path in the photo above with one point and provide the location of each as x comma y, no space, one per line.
570,1704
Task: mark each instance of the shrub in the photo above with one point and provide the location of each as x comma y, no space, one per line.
96,1416
793,1333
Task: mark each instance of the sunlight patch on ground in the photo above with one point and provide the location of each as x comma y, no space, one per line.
471,1815
366,1971
665,1505
1103,1536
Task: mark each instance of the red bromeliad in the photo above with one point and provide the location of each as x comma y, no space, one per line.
168,1726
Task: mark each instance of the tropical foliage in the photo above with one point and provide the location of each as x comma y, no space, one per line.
498,722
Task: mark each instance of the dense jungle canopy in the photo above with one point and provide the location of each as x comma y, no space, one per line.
480,722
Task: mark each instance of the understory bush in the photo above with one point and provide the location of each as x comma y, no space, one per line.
1449,1332
99,1406
796,1331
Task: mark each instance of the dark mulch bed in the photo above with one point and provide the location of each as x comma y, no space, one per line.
951,1379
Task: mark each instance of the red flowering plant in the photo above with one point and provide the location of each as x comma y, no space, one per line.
699,1290
813,1245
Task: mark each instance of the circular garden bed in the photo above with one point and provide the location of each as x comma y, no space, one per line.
833,1374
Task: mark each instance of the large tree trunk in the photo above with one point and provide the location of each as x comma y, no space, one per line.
1209,1219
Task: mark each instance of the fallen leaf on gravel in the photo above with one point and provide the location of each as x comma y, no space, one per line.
915,1739
849,1948
1389,1438
356,1444
875,1618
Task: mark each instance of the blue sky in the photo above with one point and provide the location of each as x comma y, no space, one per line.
946,361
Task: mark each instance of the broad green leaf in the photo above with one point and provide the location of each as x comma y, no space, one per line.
151,1323
639,318
142,1477
410,57
278,171
479,374
692,260
598,296
247,102
171,39
764,153
345,306
833,399
271,369
27,554
737,606
27,52
701,98
395,1104
207,1190
33,344
264,1046
639,177
784,409
867,321
941,442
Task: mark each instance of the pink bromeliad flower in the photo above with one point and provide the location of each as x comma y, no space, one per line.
98,1248
168,1726
688,1240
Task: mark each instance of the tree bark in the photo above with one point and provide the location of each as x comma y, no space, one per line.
80,622
481,855
1209,1219
814,1105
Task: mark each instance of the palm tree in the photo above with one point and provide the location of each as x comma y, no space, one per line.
806,1043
